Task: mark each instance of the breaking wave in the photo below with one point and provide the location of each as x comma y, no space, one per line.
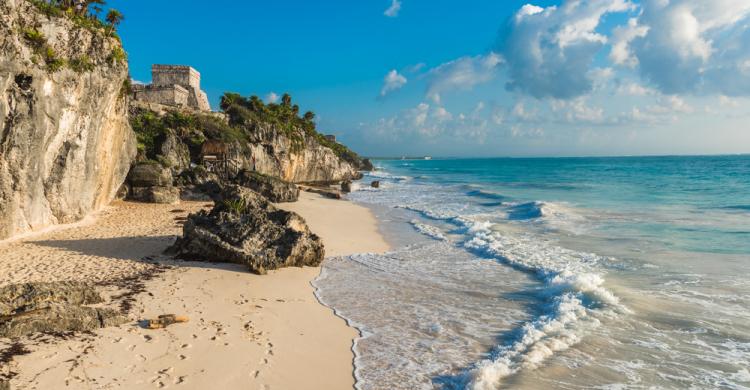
573,293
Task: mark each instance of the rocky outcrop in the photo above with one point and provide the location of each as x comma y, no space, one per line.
65,142
52,307
151,182
346,186
174,152
274,189
244,228
295,161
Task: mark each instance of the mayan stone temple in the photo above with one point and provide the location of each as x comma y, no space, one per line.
173,85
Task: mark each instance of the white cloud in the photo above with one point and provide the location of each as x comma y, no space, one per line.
634,89
393,10
620,53
441,114
461,74
272,97
549,50
694,46
393,81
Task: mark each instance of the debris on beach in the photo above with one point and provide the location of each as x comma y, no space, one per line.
165,320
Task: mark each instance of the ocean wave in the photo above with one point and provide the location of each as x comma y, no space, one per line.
555,215
573,290
478,193
429,230
385,175
740,207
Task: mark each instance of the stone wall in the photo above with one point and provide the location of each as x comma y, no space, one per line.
164,75
172,95
168,84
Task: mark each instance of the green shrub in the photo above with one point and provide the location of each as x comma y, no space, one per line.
54,63
126,88
82,64
148,127
236,206
118,55
35,37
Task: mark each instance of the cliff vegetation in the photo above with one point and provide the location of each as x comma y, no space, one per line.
246,123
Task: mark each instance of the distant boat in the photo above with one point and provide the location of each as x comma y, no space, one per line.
427,158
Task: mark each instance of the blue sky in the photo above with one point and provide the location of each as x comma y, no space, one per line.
479,78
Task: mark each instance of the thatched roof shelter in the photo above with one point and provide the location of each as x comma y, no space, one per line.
214,148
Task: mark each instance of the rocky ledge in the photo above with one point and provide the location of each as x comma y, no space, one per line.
52,308
244,228
275,189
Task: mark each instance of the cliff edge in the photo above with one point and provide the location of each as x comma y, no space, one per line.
65,141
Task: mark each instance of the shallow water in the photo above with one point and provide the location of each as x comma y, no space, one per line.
565,273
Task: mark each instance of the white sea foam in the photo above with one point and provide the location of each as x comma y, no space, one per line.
428,230
572,286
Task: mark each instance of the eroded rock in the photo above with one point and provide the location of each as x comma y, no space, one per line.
275,189
162,195
346,186
245,228
149,174
56,317
23,297
52,307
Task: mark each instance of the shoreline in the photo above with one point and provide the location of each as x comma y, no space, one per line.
267,331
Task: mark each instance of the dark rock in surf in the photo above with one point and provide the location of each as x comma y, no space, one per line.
346,186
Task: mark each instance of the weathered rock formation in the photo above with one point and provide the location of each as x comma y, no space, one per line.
274,189
151,182
65,142
52,307
305,161
244,228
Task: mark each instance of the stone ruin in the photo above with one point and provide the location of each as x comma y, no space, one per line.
173,85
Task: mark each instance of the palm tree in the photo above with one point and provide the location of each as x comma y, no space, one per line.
229,99
256,104
309,116
114,17
286,100
84,6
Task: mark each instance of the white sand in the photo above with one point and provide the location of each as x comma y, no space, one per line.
245,331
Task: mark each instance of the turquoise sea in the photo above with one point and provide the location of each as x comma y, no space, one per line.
569,273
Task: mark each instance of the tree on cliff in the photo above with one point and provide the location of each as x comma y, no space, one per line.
286,100
114,17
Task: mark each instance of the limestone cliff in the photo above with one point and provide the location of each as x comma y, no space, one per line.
269,140
296,160
65,142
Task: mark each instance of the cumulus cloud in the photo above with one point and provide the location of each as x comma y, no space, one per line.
393,10
549,50
461,74
634,89
272,97
393,81
692,46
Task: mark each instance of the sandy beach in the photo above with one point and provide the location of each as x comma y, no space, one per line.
245,331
